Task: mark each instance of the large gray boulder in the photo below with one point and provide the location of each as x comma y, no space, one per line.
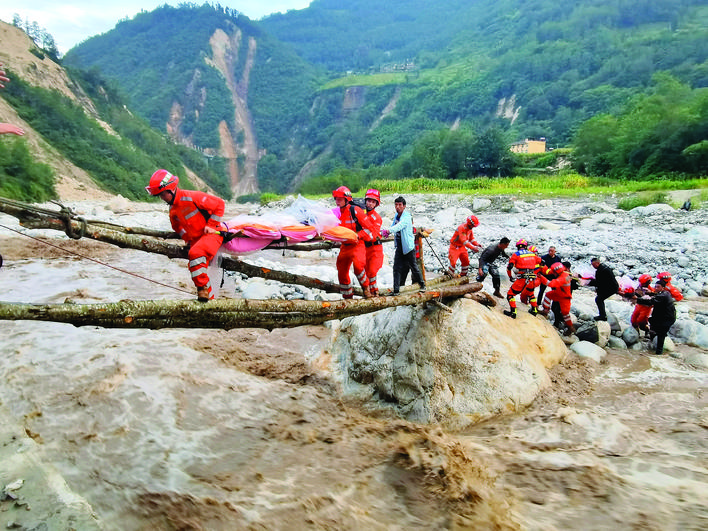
452,368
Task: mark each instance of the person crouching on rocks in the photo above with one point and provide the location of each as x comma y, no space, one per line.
461,241
354,218
196,217
374,250
486,264
523,262
560,292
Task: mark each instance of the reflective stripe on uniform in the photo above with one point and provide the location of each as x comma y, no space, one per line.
197,261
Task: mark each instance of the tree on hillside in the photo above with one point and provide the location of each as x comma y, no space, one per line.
659,132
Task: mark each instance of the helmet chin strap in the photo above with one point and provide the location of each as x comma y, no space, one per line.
171,201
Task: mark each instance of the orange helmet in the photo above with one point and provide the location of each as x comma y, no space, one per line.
533,249
344,192
374,194
665,276
522,244
160,181
557,267
644,279
472,221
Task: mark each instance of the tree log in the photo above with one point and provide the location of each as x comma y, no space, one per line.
143,240
222,313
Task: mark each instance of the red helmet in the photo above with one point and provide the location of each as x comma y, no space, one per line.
522,244
160,181
665,276
372,193
644,279
472,221
344,192
533,249
557,267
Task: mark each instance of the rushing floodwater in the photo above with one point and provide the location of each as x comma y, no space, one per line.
131,415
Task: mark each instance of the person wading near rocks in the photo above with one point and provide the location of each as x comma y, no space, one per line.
196,217
675,292
374,250
404,257
486,264
548,260
605,284
355,219
641,313
663,314
461,241
560,283
521,272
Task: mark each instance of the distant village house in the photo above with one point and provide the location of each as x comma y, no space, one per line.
529,146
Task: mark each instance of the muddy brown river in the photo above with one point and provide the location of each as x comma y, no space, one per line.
194,429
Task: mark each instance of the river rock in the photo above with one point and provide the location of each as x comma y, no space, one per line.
585,349
452,368
630,335
597,332
691,332
698,359
481,203
616,342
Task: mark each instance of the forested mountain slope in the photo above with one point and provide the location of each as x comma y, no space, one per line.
80,138
529,68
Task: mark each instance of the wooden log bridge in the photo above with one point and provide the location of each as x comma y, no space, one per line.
157,242
224,313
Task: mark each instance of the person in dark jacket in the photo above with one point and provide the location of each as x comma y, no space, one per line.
605,286
486,264
663,315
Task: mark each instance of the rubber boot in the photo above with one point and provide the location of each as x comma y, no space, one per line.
510,313
533,310
569,331
203,294
497,293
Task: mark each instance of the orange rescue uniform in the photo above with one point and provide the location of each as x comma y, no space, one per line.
560,291
462,240
374,251
524,262
190,212
353,253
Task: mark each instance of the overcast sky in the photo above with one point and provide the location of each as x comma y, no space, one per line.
73,21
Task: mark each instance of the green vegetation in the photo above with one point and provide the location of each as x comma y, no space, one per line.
371,80
634,201
524,69
119,164
22,178
659,133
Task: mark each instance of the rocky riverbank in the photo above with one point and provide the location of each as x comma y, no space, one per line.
249,429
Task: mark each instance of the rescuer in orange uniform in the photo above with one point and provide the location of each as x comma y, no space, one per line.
560,291
461,241
641,313
374,250
196,217
673,290
523,264
354,218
